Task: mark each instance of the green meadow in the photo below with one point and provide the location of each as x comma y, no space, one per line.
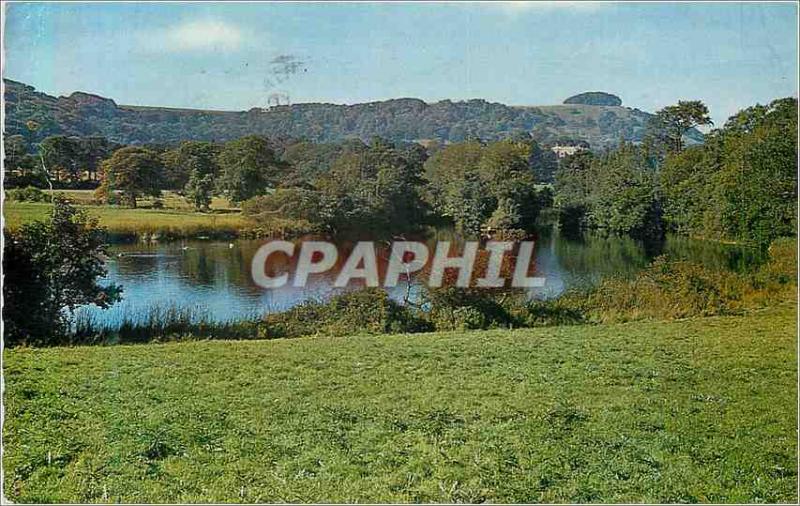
175,219
697,410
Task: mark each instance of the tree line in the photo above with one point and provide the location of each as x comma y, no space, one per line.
340,187
740,184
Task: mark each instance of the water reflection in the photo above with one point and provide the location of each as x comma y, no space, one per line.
214,277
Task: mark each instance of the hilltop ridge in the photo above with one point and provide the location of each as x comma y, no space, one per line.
36,115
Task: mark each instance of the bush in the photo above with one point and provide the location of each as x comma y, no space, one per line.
782,265
52,267
28,194
369,311
452,308
565,310
667,290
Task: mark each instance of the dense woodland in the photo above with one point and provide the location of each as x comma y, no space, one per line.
36,115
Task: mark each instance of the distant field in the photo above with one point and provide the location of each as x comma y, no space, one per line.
120,220
170,199
692,411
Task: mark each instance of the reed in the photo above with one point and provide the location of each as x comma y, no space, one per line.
162,323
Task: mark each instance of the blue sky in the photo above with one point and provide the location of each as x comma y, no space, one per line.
237,56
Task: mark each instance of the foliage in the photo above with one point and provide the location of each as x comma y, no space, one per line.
286,210
572,188
616,192
134,172
249,167
367,311
594,98
624,194
51,267
374,191
399,120
27,194
454,308
187,167
479,186
371,190
311,160
742,184
161,324
672,123
670,289
69,157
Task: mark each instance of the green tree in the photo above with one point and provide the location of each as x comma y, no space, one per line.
375,190
248,168
93,150
617,192
477,185
63,156
758,180
742,183
193,168
671,123
624,197
134,171
51,267
572,187
191,158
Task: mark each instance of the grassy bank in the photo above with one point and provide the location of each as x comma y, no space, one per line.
693,410
124,222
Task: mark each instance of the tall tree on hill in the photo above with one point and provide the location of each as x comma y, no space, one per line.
134,171
671,123
248,167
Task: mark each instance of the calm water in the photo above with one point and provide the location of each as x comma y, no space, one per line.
213,278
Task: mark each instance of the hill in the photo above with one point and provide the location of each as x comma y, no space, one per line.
700,410
594,98
36,115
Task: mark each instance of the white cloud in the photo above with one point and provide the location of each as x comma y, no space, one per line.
202,35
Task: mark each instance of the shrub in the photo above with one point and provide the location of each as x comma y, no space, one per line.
51,267
564,310
667,290
28,194
453,308
782,265
369,311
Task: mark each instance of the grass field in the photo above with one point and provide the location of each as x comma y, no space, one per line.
696,410
174,222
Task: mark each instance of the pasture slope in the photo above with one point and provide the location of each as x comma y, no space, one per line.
694,410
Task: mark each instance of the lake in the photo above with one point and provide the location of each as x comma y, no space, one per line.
213,279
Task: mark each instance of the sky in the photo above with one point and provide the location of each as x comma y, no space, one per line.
234,56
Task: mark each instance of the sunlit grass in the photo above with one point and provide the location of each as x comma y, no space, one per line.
700,410
124,221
